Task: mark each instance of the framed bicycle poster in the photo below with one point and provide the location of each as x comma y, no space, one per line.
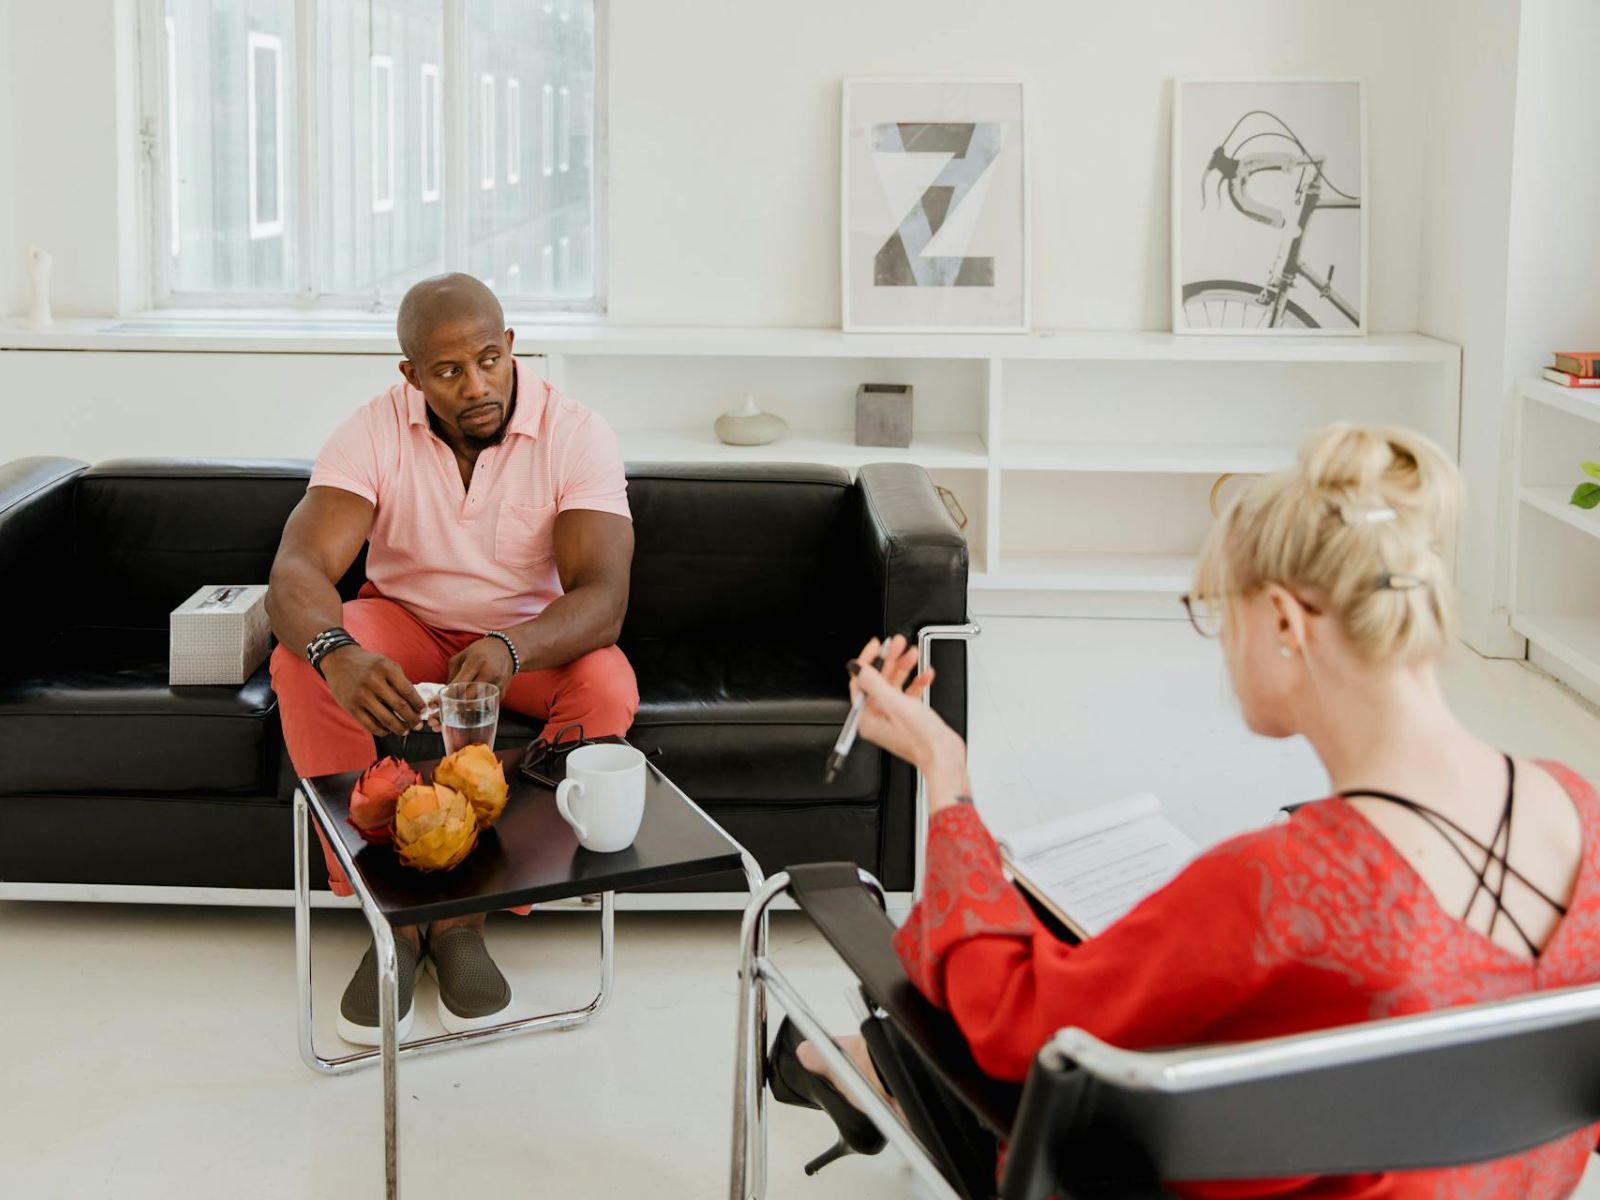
934,206
1269,218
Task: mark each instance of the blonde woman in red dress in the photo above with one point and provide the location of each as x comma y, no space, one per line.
1439,871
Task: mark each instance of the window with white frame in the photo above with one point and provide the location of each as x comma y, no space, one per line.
342,163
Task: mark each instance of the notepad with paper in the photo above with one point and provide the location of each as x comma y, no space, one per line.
1089,869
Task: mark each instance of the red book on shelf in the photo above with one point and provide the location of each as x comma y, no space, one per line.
1578,362
1567,379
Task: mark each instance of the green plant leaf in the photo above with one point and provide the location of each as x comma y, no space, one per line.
1592,470
1586,495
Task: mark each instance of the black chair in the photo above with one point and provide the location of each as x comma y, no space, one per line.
1448,1088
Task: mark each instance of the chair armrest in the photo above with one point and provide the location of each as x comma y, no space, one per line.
36,547
835,900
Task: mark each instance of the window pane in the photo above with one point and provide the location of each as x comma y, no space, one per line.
431,127
231,121
544,226
380,156
382,133
513,131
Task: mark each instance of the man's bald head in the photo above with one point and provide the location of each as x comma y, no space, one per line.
443,300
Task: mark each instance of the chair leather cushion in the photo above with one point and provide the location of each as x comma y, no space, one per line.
102,719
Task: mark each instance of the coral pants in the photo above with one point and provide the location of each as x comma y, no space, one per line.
322,739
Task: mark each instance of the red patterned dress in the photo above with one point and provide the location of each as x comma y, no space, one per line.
1314,922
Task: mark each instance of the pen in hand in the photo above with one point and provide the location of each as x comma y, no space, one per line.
847,732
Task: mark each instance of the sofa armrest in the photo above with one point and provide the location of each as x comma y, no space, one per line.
915,561
915,557
36,548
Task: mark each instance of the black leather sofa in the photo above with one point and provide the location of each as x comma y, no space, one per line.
752,584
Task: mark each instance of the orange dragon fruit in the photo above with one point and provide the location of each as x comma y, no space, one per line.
477,774
373,799
434,827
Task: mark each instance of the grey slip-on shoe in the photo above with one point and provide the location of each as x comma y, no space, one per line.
473,994
358,1010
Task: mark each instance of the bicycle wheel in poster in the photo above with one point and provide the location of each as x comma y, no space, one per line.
1233,304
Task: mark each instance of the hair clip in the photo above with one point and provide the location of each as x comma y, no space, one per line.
1354,514
1400,583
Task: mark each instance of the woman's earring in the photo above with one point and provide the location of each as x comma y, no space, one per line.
1284,652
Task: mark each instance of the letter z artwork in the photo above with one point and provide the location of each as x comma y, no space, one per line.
973,147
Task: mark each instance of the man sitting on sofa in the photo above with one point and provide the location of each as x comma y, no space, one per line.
500,547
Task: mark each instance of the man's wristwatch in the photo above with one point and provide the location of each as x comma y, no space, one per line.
516,659
325,643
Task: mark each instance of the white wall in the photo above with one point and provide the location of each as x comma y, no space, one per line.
1466,171
10,259
1553,283
724,125
72,147
1511,247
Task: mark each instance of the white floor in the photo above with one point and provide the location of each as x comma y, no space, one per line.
149,1052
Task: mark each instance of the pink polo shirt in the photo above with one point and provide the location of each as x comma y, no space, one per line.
479,557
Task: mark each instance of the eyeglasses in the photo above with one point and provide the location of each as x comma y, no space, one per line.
1205,614
545,756
1206,619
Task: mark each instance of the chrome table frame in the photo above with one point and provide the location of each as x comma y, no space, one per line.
308,807
759,979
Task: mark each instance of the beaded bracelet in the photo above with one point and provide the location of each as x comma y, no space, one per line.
516,659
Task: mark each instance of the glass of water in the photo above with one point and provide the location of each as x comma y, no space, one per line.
469,713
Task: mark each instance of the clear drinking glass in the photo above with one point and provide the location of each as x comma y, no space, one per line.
469,713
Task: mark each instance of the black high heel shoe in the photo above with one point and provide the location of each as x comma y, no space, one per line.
791,1083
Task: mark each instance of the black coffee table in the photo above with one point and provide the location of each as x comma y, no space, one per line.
529,857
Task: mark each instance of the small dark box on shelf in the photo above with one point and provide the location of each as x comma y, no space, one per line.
883,414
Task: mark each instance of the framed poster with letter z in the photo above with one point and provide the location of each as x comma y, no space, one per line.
934,220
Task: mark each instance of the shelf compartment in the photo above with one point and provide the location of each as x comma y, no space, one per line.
1154,458
1579,402
943,451
1553,502
1573,640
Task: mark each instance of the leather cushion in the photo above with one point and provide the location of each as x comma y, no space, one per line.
720,550
153,531
104,720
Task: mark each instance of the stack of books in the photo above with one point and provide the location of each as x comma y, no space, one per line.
1575,369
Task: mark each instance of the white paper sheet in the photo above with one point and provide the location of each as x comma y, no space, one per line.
1096,865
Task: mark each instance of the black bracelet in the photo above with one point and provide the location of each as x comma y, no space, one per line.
516,659
325,643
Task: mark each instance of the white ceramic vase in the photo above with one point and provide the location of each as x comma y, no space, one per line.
749,426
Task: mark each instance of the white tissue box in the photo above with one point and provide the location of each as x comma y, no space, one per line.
219,635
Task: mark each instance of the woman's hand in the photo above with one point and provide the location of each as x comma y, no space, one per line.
896,719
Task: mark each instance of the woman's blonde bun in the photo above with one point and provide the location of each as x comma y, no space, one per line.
1360,523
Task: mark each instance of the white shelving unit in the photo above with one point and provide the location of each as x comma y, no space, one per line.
1555,547
1083,460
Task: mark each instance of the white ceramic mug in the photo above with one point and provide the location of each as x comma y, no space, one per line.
602,797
